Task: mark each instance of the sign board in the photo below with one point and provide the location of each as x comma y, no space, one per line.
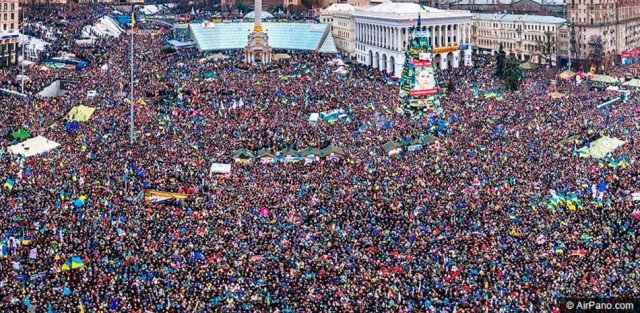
220,168
420,34
445,49
68,84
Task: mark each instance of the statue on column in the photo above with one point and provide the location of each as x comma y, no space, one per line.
258,49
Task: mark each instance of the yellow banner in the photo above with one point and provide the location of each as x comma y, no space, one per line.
155,196
445,49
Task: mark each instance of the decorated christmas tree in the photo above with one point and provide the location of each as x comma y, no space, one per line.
418,85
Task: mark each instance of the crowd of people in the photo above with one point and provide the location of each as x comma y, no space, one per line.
464,225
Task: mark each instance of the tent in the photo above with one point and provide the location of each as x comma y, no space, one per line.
242,155
281,56
313,118
33,146
528,66
392,147
265,156
19,135
219,168
606,79
289,155
79,113
633,83
567,74
603,146
332,151
310,153
556,95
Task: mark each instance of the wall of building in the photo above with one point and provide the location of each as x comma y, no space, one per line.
343,30
521,35
616,22
9,29
382,43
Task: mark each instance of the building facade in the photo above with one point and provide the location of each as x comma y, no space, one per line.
9,32
287,3
603,30
339,15
382,34
540,39
555,8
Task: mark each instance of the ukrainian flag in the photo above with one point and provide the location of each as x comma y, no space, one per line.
76,262
133,16
66,266
583,152
512,216
9,183
490,94
623,162
558,250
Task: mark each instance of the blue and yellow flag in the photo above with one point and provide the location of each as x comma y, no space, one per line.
133,16
9,184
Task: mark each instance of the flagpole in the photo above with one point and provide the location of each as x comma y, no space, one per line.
131,103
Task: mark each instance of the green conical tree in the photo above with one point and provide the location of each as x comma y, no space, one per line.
500,62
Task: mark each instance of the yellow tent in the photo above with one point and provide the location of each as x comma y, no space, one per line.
633,83
556,95
528,66
79,113
605,79
567,74
281,56
603,146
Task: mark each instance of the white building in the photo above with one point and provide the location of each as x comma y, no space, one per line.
529,37
382,33
342,26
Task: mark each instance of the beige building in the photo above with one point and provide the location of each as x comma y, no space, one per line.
9,32
603,29
533,38
287,3
339,15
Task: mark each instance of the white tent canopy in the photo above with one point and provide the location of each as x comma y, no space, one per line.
603,146
33,146
220,168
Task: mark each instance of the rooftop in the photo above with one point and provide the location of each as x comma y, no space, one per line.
340,7
294,36
407,10
489,2
519,18
252,15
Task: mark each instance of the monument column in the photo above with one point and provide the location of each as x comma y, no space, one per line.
258,41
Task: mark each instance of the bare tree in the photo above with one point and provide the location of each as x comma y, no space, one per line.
597,50
545,47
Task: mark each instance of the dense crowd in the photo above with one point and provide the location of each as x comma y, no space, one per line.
463,225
